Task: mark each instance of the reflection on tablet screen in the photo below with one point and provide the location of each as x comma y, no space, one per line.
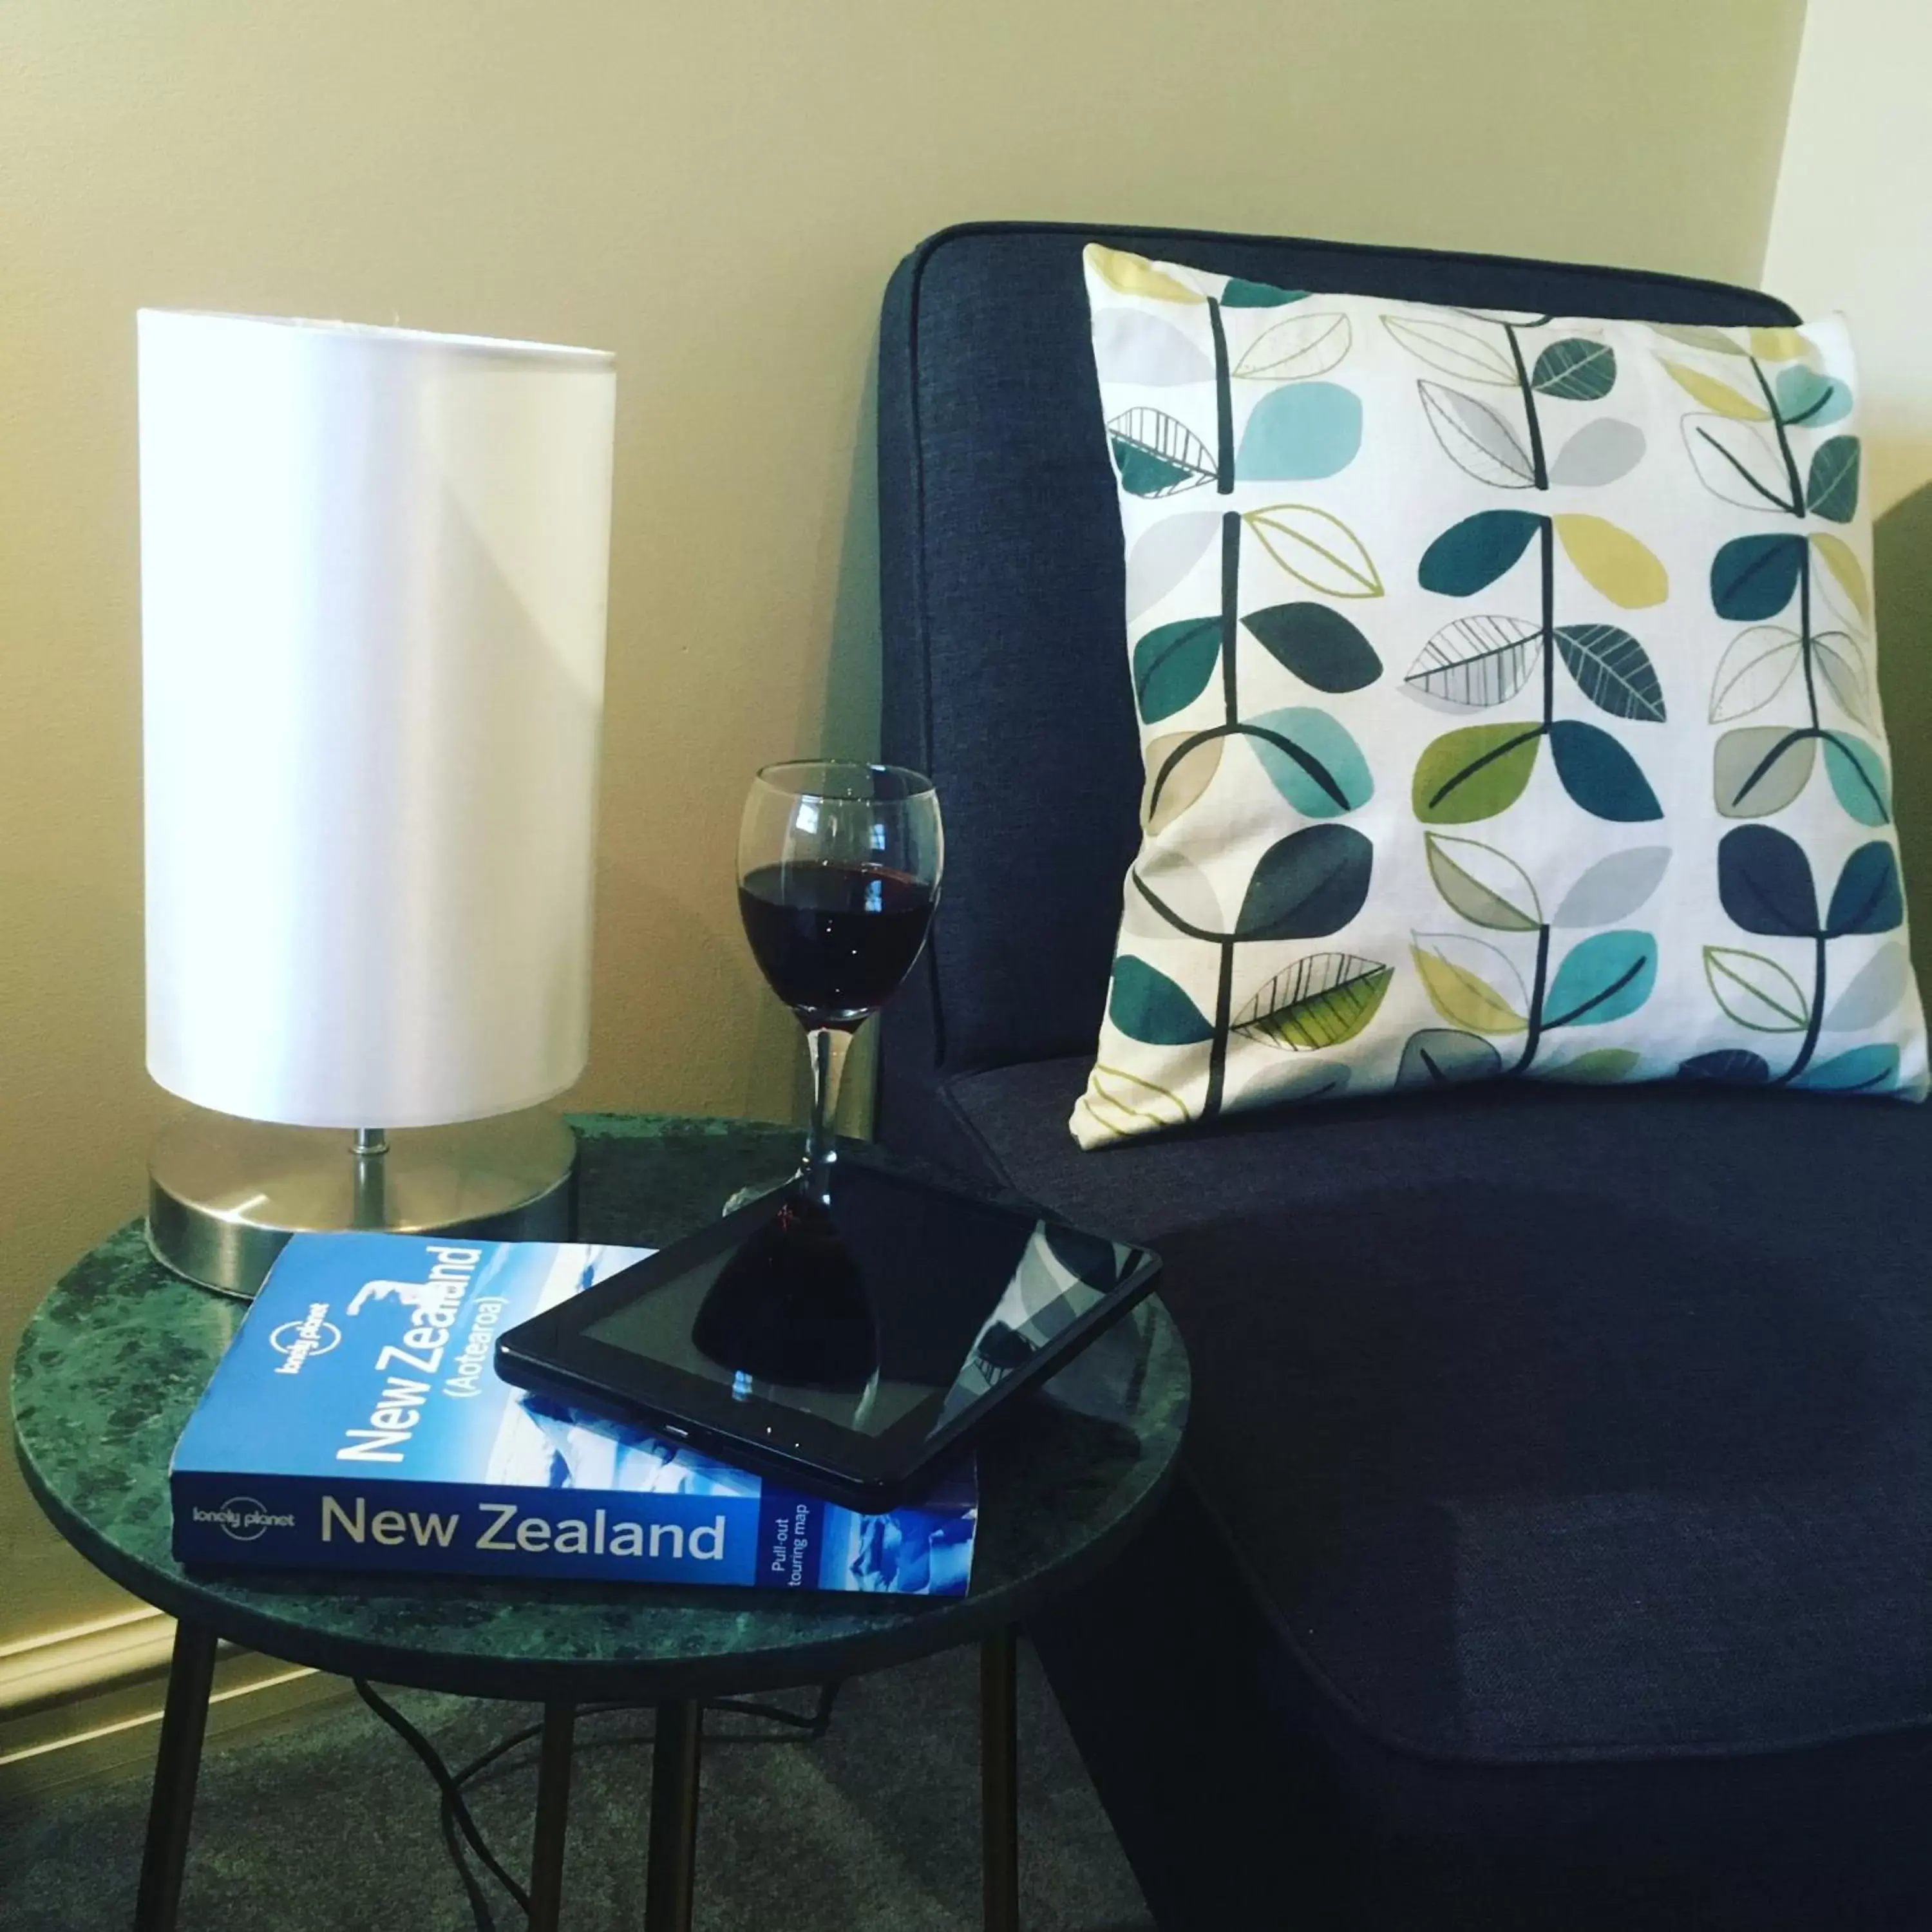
873,1310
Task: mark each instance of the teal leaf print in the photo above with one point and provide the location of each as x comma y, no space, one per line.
1599,774
1316,1080
1831,491
1240,293
1752,578
1729,1067
1576,369
1302,430
1311,760
1612,670
1858,776
1868,897
1808,400
1865,1069
1308,885
1172,665
1146,1005
1320,646
1605,977
1472,554
1157,454
1445,1057
1764,884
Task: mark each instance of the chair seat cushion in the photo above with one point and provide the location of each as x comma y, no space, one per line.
1549,1428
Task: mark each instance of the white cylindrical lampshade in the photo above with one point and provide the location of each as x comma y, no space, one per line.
374,569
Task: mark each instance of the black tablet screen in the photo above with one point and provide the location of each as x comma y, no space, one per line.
897,1301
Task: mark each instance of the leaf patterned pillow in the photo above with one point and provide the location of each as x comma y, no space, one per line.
1508,701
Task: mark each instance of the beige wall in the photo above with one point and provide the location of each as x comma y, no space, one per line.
717,191
1852,230
1852,226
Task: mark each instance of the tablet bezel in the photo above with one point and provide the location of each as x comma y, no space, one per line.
552,1353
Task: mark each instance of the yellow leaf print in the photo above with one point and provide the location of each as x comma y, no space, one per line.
1598,1067
1841,560
1462,997
1119,1103
1715,393
1780,345
1612,561
1136,275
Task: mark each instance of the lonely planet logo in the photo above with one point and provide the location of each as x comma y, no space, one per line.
244,1518
295,1341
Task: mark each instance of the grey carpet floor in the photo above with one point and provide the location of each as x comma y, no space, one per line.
332,1827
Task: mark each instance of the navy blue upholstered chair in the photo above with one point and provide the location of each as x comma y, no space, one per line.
1555,1546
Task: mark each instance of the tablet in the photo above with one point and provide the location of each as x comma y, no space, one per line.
850,1347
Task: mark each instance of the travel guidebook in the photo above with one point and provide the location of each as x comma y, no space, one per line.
356,1422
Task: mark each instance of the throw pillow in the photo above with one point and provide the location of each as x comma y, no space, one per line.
1508,705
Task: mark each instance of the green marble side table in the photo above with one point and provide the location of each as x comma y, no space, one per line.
118,1355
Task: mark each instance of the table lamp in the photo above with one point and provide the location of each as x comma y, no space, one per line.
374,566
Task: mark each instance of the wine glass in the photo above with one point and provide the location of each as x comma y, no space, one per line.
839,868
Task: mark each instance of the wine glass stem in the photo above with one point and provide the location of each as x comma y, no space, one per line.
827,1047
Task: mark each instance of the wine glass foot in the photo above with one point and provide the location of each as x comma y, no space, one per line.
757,1191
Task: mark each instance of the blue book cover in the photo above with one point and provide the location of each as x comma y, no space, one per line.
357,1423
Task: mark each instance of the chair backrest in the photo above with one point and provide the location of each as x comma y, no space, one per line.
1003,591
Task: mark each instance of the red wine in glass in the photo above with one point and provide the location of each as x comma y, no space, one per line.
838,870
834,940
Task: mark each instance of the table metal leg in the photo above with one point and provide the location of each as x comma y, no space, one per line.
559,1722
177,1762
671,1876
1000,1780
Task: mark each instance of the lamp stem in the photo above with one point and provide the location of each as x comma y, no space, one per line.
369,1209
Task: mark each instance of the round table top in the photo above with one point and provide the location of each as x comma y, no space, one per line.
117,1356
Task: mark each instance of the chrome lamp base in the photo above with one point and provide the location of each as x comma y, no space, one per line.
224,1195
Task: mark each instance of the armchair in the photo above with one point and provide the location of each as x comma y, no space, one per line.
1555,1543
